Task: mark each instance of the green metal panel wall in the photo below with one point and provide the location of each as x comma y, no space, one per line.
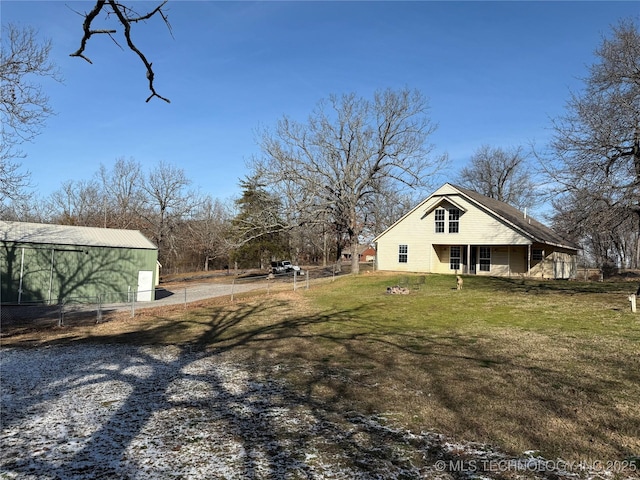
63,273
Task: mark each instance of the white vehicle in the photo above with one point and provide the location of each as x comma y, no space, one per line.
277,267
290,267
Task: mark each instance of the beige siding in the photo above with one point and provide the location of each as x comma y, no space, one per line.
518,260
417,231
499,262
441,259
405,233
428,251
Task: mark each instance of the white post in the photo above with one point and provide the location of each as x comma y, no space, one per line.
21,276
51,275
99,316
632,299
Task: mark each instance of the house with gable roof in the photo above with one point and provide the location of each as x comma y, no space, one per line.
456,230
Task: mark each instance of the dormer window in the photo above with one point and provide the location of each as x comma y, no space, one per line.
454,220
439,213
447,220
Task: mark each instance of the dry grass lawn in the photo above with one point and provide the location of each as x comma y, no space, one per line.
552,367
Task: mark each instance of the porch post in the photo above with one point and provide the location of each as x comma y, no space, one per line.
468,259
529,260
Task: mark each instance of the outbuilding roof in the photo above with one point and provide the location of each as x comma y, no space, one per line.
46,234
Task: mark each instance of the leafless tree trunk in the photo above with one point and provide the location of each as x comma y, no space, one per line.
597,142
350,150
168,204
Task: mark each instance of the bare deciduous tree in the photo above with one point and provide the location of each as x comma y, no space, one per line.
597,142
502,174
77,203
168,204
123,195
126,16
24,107
608,234
348,151
209,231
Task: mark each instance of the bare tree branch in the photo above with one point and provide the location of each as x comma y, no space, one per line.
503,174
351,150
126,16
594,157
24,107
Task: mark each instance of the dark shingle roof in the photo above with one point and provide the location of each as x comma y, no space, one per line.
538,231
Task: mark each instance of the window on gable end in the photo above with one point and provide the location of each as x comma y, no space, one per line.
439,216
403,253
454,220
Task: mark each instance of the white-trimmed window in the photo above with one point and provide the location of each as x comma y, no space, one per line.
537,254
439,214
454,258
485,259
454,220
403,253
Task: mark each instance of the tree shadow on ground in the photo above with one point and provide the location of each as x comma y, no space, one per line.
567,287
218,405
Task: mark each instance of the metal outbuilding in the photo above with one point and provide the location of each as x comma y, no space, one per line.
59,263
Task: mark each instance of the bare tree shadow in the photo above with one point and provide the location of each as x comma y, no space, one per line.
233,410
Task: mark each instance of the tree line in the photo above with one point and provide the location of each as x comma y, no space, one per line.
322,188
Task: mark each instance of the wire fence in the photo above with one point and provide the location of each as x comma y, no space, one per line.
84,310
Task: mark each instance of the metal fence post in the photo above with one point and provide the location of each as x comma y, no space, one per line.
99,317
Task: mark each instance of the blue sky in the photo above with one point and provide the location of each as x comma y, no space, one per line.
495,73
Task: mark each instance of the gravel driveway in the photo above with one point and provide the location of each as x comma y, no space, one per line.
126,412
173,295
135,412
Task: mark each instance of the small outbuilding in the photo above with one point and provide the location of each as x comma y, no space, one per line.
456,230
59,263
